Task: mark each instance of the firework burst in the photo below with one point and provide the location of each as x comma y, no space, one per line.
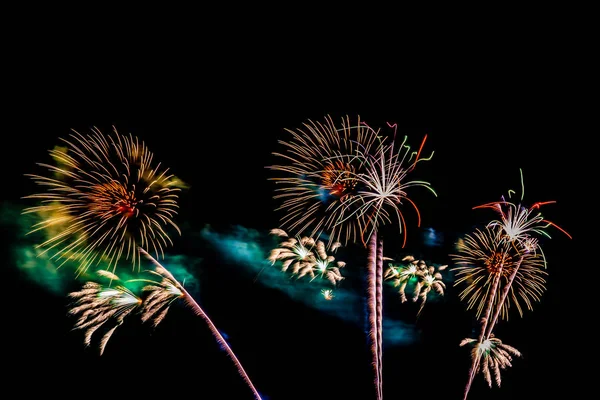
492,356
518,223
426,278
305,256
483,258
102,199
382,186
401,275
430,280
96,304
320,177
327,294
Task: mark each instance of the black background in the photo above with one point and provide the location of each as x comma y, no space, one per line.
213,114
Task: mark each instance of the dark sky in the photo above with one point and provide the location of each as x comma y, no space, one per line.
216,129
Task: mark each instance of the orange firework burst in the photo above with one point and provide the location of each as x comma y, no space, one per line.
484,257
322,165
103,198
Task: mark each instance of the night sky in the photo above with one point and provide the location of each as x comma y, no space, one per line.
216,132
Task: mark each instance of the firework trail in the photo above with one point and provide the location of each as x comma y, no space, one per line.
305,256
349,181
520,255
168,290
381,192
103,198
372,299
96,304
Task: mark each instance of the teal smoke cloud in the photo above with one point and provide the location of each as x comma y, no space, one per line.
249,248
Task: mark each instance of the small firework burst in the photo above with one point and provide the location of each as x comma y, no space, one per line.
426,278
327,294
401,275
103,198
492,356
96,304
431,279
305,256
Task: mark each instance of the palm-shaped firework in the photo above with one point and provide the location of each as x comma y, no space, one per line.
430,280
305,256
348,181
492,260
103,197
485,261
402,275
493,355
96,304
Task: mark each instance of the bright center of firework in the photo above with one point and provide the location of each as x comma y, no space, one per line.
410,271
497,261
429,280
322,265
125,207
485,346
337,179
302,252
515,226
327,294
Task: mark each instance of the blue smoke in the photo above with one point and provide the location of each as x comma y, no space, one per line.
249,248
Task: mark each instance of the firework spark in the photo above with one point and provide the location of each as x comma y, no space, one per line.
96,304
305,256
103,198
491,355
